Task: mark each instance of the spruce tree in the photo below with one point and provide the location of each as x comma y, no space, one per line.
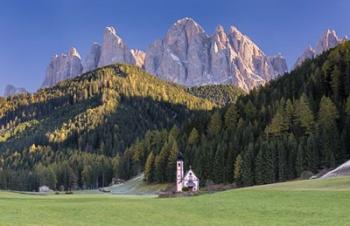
247,166
219,165
303,115
260,165
193,138
231,117
327,117
215,124
282,161
270,163
299,167
311,154
149,168
171,167
238,170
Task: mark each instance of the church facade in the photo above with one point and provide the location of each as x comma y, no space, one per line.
189,180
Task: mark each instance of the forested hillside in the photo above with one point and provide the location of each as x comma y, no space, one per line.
119,121
299,122
73,134
219,94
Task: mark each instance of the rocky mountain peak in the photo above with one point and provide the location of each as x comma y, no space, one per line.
279,64
110,30
235,32
186,26
187,22
189,56
328,40
73,52
63,67
309,53
186,55
113,49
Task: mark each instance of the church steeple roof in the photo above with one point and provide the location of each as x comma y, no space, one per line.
180,156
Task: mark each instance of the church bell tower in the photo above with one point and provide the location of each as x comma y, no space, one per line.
179,172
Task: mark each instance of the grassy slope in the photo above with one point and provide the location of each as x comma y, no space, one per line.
331,184
292,203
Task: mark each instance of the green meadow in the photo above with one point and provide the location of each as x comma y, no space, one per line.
314,202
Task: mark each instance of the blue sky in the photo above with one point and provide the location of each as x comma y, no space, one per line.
31,31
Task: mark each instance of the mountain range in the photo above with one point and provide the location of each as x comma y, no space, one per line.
186,55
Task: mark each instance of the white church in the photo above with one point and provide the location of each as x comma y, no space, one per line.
189,181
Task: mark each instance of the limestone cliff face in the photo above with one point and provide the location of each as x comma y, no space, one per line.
189,56
114,50
139,57
91,61
328,40
63,67
309,53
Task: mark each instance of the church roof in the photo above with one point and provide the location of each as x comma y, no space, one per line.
189,174
180,156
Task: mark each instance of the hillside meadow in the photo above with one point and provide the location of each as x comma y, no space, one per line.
319,202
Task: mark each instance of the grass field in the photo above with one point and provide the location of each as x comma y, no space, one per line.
316,203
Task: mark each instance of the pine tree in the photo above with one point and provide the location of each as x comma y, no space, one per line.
260,165
311,154
161,164
346,129
299,160
171,167
219,165
292,147
174,132
270,163
149,168
86,175
238,170
303,115
193,139
231,117
278,124
247,166
327,117
249,110
337,84
215,124
282,161
289,115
